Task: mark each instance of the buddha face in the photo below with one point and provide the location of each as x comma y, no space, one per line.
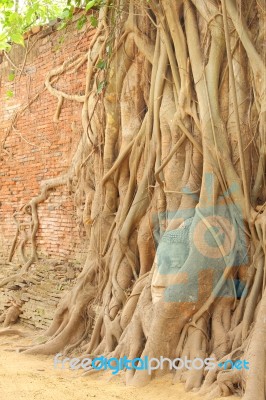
171,255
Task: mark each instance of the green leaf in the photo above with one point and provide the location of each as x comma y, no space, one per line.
11,76
9,94
17,38
90,4
3,41
5,46
81,22
67,13
93,21
101,64
14,18
101,86
3,36
62,26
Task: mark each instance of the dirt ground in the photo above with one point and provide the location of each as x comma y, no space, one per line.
35,378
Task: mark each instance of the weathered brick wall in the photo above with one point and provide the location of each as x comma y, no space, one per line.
36,148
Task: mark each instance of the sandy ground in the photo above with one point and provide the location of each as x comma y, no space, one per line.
34,378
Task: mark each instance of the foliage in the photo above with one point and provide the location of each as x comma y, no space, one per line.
9,94
17,16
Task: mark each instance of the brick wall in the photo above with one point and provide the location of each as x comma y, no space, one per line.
37,148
